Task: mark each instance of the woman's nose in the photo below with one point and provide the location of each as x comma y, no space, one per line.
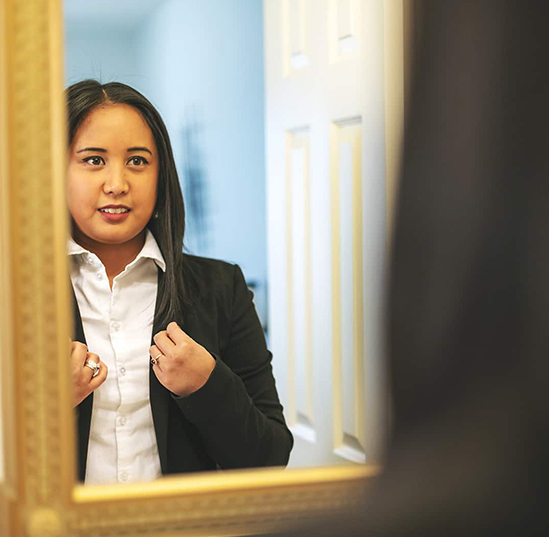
116,182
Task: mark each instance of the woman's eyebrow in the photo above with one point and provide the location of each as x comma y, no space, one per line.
97,149
139,149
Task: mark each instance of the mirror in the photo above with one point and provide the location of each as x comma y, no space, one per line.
236,85
242,501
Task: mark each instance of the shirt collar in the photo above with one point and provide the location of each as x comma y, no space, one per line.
150,250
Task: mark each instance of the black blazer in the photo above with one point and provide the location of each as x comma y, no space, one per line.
235,420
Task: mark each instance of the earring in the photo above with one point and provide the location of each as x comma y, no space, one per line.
156,215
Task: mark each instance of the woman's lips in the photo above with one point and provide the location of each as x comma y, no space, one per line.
114,217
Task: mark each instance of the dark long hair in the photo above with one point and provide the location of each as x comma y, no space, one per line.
168,223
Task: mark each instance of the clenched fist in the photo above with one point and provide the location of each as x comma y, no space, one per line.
180,363
83,378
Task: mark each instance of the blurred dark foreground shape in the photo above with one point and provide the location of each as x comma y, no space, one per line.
468,325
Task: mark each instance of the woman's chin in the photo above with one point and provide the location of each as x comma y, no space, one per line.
111,237
120,238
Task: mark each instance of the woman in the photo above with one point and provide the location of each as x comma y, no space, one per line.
200,394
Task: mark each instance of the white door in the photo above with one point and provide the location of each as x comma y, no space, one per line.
326,107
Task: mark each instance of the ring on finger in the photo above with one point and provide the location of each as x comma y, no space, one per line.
94,366
154,360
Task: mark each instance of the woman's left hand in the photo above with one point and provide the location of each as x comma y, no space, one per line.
180,363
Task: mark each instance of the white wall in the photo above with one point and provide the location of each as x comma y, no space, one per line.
202,60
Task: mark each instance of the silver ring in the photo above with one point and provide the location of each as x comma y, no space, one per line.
95,367
154,361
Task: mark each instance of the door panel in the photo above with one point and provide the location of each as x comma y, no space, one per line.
326,165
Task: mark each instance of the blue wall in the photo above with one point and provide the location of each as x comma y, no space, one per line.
201,64
105,54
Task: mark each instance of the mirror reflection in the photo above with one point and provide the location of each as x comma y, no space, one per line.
255,114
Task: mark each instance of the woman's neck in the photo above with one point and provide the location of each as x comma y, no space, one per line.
115,257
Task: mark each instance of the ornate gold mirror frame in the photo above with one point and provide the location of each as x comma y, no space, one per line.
38,496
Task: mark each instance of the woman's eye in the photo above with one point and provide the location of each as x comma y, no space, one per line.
94,161
138,161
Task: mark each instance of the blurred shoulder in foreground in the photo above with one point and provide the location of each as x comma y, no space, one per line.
469,293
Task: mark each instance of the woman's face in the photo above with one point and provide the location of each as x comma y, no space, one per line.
112,176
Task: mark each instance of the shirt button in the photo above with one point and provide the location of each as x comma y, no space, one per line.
124,476
115,327
99,276
122,371
123,420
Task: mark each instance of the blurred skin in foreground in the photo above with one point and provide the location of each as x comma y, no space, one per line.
468,300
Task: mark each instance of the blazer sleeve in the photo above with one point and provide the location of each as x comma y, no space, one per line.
237,411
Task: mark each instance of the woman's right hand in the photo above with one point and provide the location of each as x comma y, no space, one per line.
82,376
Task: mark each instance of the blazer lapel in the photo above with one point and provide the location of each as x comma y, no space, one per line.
160,397
84,409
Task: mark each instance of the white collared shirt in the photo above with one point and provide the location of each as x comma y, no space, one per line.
118,328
